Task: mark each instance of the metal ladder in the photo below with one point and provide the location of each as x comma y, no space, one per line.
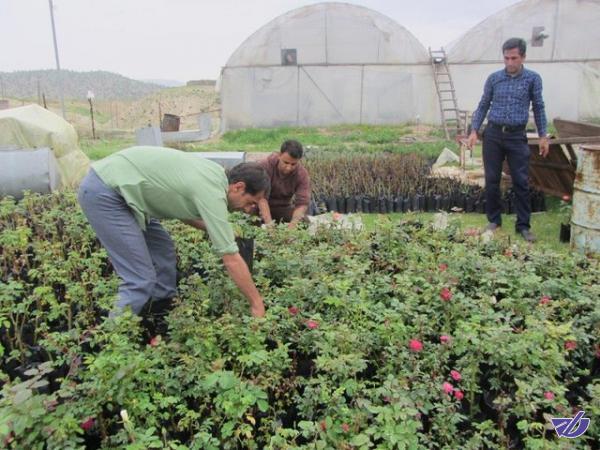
450,114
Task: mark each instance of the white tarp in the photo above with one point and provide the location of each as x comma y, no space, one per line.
354,65
568,60
30,127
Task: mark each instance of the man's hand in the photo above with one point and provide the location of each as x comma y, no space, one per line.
238,271
544,146
264,211
472,140
258,310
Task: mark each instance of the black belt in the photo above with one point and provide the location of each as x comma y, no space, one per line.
507,128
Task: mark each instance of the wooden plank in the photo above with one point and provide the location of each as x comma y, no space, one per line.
551,165
568,140
570,128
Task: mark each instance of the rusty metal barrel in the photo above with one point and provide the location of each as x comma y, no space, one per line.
170,122
585,219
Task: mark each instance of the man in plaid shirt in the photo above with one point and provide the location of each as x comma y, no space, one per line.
507,95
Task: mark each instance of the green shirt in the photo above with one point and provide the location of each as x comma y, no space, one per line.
164,183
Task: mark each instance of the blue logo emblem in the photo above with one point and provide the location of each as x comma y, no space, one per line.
571,427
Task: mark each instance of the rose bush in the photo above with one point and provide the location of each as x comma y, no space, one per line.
358,348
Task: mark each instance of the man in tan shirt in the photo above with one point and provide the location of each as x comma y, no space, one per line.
290,186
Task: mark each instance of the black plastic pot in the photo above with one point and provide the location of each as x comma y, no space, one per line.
350,205
366,205
359,204
479,206
341,204
469,204
565,232
331,204
246,247
414,203
437,202
375,205
421,202
389,203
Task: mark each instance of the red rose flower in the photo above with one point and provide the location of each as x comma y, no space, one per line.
459,394
88,423
570,345
293,310
415,345
446,294
345,427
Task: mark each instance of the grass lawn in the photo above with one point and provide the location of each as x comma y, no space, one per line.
343,138
100,148
545,225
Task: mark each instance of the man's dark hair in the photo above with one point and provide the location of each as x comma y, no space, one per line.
515,43
253,174
292,148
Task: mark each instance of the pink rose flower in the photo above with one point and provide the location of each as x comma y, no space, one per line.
345,427
459,394
443,267
293,310
549,395
415,345
312,324
444,339
447,388
456,376
545,300
570,345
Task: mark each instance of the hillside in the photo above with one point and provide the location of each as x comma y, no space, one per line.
104,85
119,117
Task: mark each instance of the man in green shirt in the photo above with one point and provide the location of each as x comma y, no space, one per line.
125,194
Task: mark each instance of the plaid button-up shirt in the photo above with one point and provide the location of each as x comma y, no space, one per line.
507,98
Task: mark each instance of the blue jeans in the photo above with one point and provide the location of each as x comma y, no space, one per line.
144,260
512,146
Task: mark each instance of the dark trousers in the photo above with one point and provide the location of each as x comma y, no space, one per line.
512,146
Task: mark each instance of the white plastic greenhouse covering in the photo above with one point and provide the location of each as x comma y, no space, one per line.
568,59
349,65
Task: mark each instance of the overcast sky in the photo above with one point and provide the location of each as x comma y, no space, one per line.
186,39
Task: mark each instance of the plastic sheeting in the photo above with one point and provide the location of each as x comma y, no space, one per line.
27,170
327,95
354,65
568,59
32,126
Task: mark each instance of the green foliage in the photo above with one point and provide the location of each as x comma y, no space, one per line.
330,366
100,148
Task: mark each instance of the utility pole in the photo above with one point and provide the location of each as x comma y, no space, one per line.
60,83
90,97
